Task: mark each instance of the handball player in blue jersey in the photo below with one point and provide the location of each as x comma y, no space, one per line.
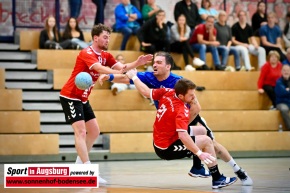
162,77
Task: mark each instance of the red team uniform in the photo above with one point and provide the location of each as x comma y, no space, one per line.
84,63
172,116
74,101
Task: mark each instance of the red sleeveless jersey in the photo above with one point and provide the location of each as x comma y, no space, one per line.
172,116
85,61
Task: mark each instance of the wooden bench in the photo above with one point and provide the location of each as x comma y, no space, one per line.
116,40
178,58
142,121
10,99
56,59
220,80
2,78
29,144
20,122
29,40
233,141
209,100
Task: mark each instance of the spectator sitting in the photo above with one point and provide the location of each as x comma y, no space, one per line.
126,20
241,34
259,18
153,34
50,37
224,36
270,35
287,60
190,10
149,10
119,87
180,42
286,32
282,91
74,33
270,73
206,10
203,39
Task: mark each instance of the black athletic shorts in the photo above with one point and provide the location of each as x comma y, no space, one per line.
76,110
176,150
198,119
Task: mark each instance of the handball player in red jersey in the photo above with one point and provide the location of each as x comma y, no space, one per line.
77,109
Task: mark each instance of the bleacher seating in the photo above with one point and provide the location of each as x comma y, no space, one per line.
209,100
29,144
2,78
10,99
233,141
29,40
56,59
231,120
19,122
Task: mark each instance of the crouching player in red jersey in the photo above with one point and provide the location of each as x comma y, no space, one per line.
170,129
77,109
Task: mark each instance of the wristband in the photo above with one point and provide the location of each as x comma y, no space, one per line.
111,77
198,153
134,78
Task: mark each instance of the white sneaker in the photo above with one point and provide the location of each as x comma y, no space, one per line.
102,181
230,69
243,68
189,67
118,87
198,62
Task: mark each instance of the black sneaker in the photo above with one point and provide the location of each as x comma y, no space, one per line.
243,176
220,67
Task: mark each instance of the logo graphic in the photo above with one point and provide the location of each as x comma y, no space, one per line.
51,175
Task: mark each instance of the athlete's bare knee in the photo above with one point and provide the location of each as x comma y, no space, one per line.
217,147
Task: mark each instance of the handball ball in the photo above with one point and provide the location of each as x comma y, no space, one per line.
83,80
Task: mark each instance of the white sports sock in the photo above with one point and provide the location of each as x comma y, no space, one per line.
88,162
234,165
78,160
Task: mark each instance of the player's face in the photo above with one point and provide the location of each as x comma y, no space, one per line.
160,68
189,96
103,40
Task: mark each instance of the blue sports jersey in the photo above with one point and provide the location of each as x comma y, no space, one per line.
151,81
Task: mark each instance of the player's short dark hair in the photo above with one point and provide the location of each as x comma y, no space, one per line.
183,85
168,58
98,29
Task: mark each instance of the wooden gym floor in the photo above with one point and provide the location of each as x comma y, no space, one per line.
159,176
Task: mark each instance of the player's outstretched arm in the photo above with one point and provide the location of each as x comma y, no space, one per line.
117,78
105,70
142,60
141,87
